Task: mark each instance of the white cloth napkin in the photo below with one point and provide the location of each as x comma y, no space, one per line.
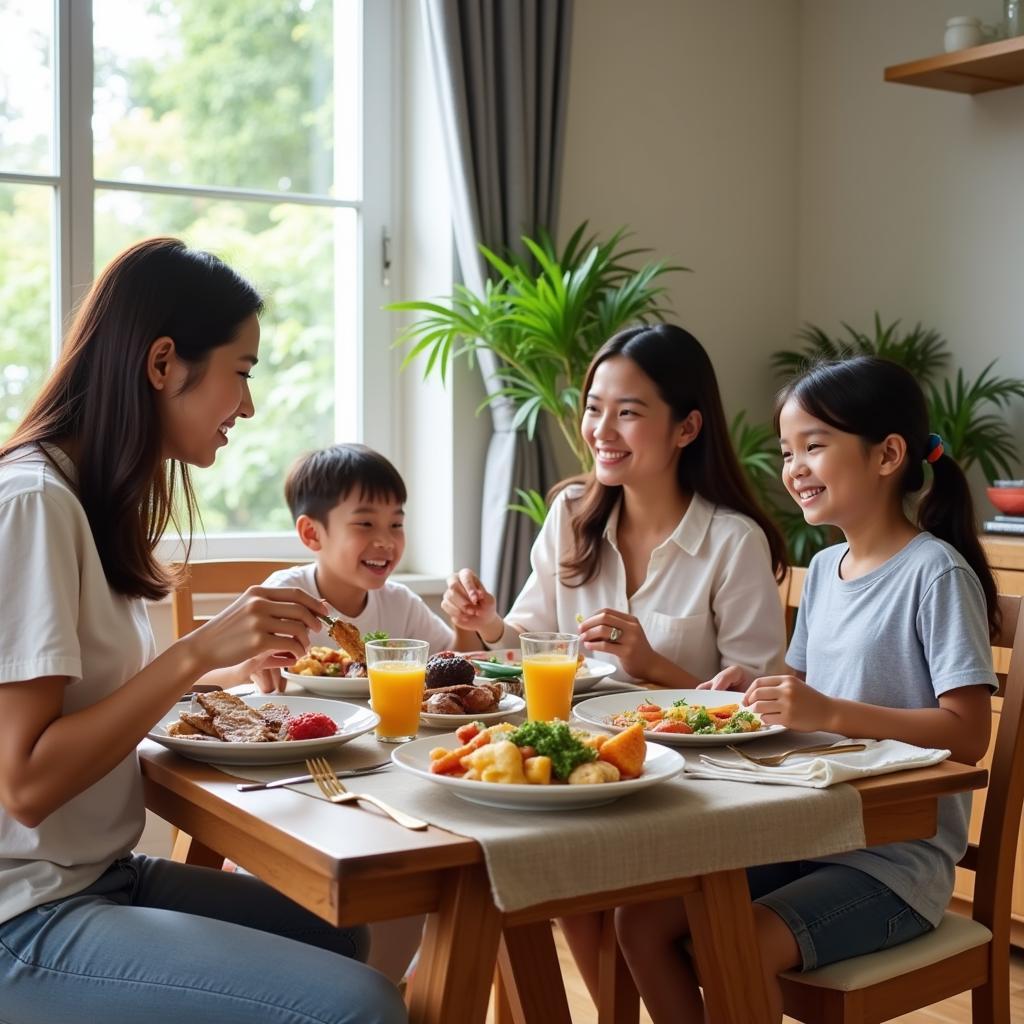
814,770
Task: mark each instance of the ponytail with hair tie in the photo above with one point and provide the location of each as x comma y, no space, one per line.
873,397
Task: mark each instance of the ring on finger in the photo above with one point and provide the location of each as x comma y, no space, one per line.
613,636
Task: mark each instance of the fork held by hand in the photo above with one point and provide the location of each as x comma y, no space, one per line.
324,776
774,760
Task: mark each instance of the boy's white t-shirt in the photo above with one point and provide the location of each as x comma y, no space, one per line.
394,608
61,618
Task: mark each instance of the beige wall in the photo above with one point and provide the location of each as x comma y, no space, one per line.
911,199
756,142
683,125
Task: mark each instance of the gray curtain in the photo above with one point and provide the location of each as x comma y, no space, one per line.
501,70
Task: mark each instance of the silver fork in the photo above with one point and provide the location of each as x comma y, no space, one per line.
774,760
331,787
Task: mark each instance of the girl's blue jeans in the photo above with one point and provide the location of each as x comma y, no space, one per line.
153,941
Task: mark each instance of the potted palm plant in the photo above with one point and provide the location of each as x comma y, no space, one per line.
543,315
967,413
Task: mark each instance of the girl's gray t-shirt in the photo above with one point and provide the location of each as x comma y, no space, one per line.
900,636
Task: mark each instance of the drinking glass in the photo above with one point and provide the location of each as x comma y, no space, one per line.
549,671
397,669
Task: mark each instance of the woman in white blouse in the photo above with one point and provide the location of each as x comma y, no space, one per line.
659,557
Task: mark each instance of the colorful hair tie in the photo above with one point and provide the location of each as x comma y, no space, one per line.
933,448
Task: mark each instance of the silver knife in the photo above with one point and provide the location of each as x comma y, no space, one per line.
248,787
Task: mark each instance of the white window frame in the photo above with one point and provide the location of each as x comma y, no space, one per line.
74,188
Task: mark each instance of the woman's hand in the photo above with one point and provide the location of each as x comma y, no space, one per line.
733,677
267,680
788,701
469,606
621,634
265,628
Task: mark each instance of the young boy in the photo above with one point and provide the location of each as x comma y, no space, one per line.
347,502
348,505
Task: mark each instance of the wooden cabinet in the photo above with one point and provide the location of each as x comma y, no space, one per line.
1006,556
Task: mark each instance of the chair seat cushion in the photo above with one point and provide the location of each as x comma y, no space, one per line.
955,934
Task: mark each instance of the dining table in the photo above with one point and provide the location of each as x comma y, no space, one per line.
357,866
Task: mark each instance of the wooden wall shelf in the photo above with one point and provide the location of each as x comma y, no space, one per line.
978,69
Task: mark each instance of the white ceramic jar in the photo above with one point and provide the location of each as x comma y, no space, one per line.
962,32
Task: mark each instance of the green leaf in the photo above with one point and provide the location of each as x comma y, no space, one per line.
533,505
544,313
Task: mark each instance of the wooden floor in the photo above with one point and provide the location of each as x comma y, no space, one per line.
952,1011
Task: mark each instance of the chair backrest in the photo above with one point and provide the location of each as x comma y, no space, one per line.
992,859
229,576
794,587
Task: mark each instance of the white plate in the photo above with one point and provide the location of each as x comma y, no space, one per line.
352,721
331,686
590,673
601,710
660,764
508,705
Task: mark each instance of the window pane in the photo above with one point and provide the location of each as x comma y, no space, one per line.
26,282
26,86
293,254
223,93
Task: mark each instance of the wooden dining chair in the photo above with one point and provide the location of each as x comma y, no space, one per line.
796,576
963,953
216,576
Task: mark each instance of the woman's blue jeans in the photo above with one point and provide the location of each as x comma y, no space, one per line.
153,941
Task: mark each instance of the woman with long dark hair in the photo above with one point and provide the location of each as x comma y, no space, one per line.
153,375
660,557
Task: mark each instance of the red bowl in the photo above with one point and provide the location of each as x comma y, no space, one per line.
1009,500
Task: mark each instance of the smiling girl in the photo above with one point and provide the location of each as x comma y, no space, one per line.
660,558
153,375
891,642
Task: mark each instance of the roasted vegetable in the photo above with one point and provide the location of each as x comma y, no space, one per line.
554,740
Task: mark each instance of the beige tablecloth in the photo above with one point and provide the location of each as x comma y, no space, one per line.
678,828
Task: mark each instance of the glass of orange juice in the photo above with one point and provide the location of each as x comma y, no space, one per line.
549,670
397,669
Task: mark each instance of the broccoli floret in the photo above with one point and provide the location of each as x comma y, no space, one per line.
554,740
737,721
700,721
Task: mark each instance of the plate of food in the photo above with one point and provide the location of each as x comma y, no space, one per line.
449,712
684,718
538,766
335,671
507,664
220,727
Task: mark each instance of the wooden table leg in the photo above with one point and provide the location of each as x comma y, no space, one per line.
532,975
451,982
502,1007
725,945
618,1000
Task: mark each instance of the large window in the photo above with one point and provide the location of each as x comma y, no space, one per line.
259,130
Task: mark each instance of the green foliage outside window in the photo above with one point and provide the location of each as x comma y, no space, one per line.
237,95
